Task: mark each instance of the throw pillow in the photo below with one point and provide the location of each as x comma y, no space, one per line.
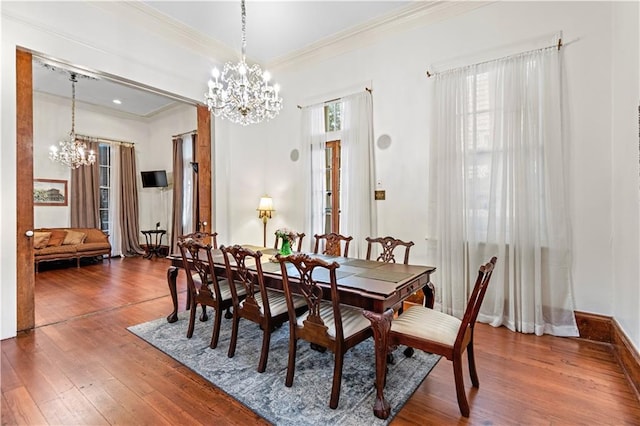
74,237
40,239
57,237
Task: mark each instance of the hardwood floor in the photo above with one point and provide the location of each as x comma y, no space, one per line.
81,366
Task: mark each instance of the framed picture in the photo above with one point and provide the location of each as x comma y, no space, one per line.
49,192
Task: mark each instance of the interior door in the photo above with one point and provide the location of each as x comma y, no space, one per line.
25,274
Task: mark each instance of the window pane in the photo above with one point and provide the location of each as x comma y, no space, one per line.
104,198
103,154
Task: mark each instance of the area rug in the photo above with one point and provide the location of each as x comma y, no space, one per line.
307,401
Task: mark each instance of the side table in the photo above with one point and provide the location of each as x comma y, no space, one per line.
153,237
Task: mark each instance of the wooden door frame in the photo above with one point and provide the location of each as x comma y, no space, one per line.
25,272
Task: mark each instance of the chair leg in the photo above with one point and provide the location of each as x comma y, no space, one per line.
234,335
460,392
264,354
192,320
217,319
472,366
337,379
291,366
203,316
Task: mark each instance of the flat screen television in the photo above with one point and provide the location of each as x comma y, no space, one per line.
154,179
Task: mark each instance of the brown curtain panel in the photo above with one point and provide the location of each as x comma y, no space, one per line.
195,207
178,184
85,193
130,228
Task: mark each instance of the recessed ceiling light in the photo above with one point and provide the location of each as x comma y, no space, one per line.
117,101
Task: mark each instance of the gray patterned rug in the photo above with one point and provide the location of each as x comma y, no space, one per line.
307,401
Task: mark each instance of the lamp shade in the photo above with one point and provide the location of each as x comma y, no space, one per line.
266,204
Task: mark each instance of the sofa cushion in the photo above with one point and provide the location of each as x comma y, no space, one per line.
94,236
40,239
64,249
57,237
74,237
93,246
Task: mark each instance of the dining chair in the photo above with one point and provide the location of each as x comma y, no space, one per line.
265,307
328,324
388,245
439,333
278,241
206,238
204,287
332,244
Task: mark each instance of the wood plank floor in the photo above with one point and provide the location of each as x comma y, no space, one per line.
81,366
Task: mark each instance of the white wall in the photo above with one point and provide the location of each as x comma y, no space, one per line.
626,183
253,160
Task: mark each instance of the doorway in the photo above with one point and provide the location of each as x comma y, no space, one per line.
25,273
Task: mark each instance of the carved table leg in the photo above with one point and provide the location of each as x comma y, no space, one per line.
380,324
429,295
172,274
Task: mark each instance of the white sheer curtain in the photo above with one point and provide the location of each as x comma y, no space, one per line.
115,197
358,218
312,153
499,187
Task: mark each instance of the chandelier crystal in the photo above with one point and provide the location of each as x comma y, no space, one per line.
70,151
242,94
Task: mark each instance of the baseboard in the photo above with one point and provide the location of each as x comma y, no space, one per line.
601,328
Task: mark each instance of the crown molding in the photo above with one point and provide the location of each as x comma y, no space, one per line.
142,15
414,15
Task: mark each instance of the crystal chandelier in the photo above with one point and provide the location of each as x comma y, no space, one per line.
70,151
242,93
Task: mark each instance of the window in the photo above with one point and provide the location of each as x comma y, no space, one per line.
333,124
104,162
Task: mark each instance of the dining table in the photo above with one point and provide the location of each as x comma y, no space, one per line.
376,287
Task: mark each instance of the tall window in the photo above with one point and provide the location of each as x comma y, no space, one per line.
104,161
498,177
333,125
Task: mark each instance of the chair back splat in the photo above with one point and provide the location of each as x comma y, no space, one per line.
388,244
327,323
436,332
333,244
203,237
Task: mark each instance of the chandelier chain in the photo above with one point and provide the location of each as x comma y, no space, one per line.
244,31
73,103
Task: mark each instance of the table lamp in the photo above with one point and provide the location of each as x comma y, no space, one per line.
264,212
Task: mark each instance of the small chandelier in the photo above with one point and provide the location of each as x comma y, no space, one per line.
70,151
242,93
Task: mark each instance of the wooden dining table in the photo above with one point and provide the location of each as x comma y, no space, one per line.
376,287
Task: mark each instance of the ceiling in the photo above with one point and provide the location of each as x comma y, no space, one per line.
275,29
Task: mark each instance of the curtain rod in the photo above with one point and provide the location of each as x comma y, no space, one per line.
105,140
333,100
555,46
185,133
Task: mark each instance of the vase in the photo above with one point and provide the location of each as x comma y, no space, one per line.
285,250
